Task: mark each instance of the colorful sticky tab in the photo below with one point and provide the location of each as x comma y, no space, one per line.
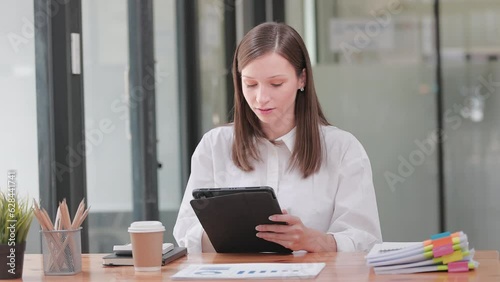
439,260
458,266
454,236
442,250
442,241
428,248
440,235
455,256
455,240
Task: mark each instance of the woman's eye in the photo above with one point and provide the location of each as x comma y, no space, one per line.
277,84
251,85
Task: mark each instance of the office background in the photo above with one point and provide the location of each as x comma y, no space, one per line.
381,70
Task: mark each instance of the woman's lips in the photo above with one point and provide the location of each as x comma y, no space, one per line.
265,111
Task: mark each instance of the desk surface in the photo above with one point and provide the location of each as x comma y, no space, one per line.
339,267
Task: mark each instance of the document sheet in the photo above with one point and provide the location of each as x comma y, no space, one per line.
250,271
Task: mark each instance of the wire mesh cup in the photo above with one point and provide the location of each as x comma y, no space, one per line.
62,252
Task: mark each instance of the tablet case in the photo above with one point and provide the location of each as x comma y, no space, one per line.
200,193
230,221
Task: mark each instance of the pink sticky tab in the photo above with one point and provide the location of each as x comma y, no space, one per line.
443,250
458,266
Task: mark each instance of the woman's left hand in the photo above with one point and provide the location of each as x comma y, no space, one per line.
295,235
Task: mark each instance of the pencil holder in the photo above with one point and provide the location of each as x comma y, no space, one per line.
62,252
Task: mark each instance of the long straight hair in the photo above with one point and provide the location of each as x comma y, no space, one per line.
285,41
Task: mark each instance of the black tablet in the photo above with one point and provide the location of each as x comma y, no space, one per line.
229,217
202,193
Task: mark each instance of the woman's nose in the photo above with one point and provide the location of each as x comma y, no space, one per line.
262,96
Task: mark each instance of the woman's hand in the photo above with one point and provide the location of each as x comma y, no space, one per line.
295,235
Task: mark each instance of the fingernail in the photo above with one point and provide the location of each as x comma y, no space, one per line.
271,217
257,228
258,235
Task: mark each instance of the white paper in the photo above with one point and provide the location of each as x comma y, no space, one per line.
418,264
250,271
430,268
409,254
386,248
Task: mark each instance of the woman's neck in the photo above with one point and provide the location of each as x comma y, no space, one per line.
276,131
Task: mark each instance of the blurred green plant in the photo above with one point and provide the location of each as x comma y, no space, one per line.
15,218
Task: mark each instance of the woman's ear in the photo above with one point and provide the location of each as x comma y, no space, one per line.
302,78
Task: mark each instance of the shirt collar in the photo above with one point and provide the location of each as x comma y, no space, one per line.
288,139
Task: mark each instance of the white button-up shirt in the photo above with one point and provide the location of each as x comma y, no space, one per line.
339,199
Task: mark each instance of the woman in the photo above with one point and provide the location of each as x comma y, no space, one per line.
280,138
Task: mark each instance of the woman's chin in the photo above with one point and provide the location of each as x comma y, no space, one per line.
266,119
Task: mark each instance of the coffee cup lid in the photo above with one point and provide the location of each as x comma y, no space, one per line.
146,227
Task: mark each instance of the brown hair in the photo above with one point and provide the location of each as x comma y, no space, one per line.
285,41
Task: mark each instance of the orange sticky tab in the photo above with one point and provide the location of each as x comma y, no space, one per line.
427,242
455,256
442,241
456,234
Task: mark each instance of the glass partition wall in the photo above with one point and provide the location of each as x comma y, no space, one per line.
376,77
109,167
212,68
18,117
167,115
471,83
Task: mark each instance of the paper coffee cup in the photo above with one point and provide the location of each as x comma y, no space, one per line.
147,241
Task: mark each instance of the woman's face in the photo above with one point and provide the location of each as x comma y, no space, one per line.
270,85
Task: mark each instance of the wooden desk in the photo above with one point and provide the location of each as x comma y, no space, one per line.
339,267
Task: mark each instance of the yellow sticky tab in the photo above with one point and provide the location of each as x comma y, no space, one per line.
455,256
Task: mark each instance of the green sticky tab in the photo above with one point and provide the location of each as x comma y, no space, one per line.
428,255
442,268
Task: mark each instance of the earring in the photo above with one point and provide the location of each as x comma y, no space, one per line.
302,89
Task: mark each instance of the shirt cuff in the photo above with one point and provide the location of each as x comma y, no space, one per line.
344,243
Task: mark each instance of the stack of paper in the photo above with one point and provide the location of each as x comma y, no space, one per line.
443,252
